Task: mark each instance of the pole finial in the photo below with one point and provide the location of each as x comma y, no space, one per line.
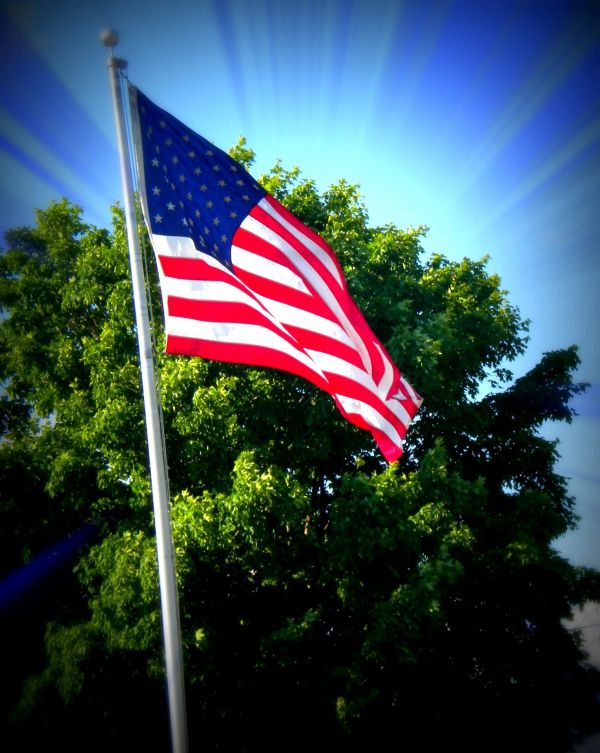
109,37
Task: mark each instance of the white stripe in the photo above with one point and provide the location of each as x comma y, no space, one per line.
271,270
239,334
310,274
336,365
208,290
371,416
386,380
305,240
177,246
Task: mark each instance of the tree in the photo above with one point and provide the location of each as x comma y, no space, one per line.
323,594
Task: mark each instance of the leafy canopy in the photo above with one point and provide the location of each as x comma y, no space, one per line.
321,592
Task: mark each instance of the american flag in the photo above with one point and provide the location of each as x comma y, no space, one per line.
244,281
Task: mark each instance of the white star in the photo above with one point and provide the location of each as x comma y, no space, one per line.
168,141
216,221
189,195
227,199
158,218
209,153
186,137
162,124
156,191
175,160
197,171
209,204
182,178
155,162
204,187
171,206
192,154
222,183
216,168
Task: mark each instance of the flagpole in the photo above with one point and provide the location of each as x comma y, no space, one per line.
158,466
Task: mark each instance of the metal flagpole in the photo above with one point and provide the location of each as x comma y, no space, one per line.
158,469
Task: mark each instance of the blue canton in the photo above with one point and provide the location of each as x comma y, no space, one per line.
193,188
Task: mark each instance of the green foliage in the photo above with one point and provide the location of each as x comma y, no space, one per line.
321,591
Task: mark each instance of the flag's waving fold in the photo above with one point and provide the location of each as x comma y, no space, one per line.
244,281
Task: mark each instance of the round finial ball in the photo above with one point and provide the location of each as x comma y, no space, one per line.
109,37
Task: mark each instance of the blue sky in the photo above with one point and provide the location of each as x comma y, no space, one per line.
480,120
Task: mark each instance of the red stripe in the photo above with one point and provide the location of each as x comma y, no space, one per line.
218,311
183,268
389,450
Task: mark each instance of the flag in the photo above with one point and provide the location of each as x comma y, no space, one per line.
244,281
